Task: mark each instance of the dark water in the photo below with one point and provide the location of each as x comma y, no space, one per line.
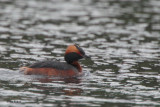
121,36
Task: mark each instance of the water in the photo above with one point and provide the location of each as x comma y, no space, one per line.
121,36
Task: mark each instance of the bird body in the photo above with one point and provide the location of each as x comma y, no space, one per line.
69,68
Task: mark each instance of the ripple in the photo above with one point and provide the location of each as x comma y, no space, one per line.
122,38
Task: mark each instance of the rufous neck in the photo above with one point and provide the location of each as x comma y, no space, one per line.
77,65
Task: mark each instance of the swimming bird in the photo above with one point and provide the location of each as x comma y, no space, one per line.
70,68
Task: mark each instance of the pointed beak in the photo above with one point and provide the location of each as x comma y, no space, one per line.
86,56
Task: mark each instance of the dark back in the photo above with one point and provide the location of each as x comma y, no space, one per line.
53,64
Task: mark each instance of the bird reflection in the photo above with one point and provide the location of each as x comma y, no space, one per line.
65,90
65,80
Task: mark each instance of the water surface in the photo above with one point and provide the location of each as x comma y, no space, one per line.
122,37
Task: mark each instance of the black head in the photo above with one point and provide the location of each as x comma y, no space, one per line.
74,53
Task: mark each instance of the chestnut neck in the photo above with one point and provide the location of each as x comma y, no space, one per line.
77,65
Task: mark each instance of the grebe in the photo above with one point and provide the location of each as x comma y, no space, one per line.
70,68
